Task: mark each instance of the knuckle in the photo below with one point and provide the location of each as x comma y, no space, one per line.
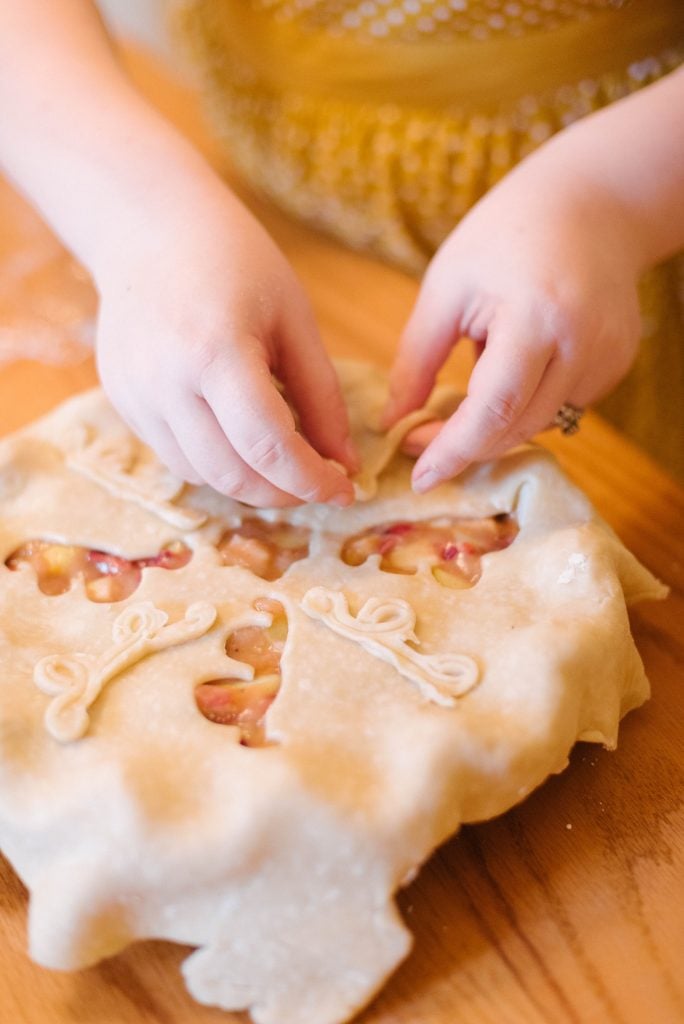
203,358
502,410
564,321
556,315
232,483
266,452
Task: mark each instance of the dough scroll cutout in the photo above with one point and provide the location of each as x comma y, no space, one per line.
75,682
111,463
385,627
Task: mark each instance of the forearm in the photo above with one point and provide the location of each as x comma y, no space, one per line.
75,135
629,157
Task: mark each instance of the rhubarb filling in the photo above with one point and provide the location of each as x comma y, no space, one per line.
453,548
266,549
106,577
245,703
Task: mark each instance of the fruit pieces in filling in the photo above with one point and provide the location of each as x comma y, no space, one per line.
241,703
452,547
106,577
266,549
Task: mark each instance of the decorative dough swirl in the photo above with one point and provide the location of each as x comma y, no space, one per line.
385,628
75,683
109,464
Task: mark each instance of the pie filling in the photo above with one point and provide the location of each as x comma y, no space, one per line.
106,577
453,548
266,549
241,703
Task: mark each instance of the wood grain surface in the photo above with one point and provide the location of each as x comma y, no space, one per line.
566,910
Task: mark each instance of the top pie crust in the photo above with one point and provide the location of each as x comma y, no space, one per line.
405,707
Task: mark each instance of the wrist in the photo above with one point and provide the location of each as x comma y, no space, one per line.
149,203
630,156
572,192
107,176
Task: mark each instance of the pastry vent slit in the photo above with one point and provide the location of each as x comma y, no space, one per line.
241,702
106,577
448,547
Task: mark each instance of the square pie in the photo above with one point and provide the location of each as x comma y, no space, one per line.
245,729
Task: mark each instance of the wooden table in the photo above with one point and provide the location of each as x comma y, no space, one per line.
568,909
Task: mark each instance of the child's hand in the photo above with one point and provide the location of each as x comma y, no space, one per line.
541,274
198,308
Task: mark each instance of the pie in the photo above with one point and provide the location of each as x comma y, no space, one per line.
244,729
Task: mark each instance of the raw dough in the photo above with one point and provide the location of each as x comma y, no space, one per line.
405,707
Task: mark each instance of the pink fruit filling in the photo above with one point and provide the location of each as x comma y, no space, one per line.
240,703
453,548
107,577
266,549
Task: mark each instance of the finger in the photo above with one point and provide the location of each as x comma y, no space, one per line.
206,447
167,448
260,427
552,392
415,442
312,386
500,388
556,386
157,435
431,332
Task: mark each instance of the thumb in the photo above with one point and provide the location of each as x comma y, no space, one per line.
312,385
432,330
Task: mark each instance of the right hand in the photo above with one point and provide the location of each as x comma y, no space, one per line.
542,275
198,309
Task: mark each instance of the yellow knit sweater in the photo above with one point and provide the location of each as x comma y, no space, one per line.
383,121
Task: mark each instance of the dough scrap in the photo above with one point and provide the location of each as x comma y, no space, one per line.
279,863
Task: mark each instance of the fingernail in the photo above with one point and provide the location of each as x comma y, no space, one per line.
425,479
343,499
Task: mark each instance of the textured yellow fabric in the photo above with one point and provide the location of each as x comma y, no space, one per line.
383,121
